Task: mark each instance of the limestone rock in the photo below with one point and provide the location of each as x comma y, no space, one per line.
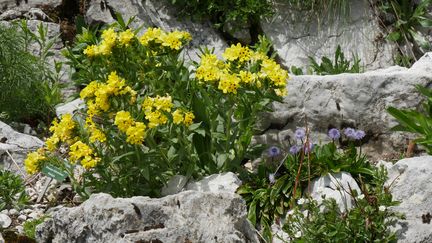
69,108
5,221
226,182
335,186
217,183
26,5
184,217
16,145
295,37
161,14
411,181
356,100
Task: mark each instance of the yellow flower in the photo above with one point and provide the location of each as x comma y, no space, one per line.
81,151
109,37
123,120
62,131
152,34
115,84
174,39
247,77
163,103
125,37
272,70
177,116
155,118
91,51
89,90
136,134
237,52
188,119
32,162
210,68
96,134
229,83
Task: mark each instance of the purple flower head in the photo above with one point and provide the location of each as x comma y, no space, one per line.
294,149
334,133
272,178
273,151
350,132
300,133
308,147
359,135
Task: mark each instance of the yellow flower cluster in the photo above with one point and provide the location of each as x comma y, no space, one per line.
32,162
154,109
81,151
97,94
135,131
62,132
213,70
183,117
237,52
95,133
276,74
109,37
173,40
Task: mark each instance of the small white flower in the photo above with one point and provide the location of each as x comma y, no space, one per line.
272,178
382,208
301,201
361,196
298,234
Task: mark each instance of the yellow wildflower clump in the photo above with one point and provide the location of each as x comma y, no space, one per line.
183,117
32,162
125,37
237,52
81,151
229,83
210,68
95,133
62,132
174,40
135,131
154,107
98,93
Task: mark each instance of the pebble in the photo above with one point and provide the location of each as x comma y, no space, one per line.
22,217
27,211
13,212
5,221
77,199
5,211
20,229
34,215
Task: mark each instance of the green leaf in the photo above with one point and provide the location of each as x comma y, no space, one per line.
394,36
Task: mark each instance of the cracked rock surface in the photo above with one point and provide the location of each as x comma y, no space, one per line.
189,216
295,37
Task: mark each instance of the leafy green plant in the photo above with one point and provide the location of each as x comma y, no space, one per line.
270,193
409,16
340,65
148,118
368,221
30,226
238,12
29,89
12,192
419,122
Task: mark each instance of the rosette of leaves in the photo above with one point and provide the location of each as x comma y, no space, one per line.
12,192
340,64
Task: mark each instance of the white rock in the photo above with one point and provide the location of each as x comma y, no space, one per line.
69,108
411,181
22,217
189,216
335,186
5,221
226,182
175,185
4,211
27,5
13,212
19,229
296,38
34,215
27,211
359,100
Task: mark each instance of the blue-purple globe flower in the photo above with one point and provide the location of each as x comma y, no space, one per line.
300,133
359,135
273,151
334,133
350,132
294,149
